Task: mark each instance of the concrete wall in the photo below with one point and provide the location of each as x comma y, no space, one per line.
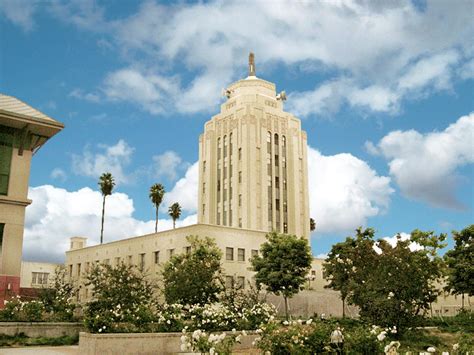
34,330
140,343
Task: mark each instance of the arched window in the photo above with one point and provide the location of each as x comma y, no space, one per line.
283,141
276,139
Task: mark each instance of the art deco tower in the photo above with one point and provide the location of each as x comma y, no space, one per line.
253,162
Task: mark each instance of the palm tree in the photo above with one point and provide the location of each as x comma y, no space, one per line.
106,183
157,192
312,224
175,212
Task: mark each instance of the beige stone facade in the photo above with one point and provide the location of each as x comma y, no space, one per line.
253,163
149,252
23,130
37,275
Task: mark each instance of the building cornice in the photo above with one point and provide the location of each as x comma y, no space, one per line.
14,201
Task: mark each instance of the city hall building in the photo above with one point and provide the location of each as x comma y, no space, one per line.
253,179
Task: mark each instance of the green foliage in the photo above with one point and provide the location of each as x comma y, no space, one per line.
308,337
157,191
210,343
391,286
22,340
106,184
17,310
461,322
283,264
194,278
460,262
58,298
122,297
175,212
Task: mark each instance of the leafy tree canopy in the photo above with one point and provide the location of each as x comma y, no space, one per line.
391,285
195,277
283,264
460,262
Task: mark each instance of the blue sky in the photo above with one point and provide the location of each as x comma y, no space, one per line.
384,91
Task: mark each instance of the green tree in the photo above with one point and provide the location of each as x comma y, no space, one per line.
338,268
312,224
283,264
157,191
175,212
58,298
121,294
106,183
194,277
460,263
391,285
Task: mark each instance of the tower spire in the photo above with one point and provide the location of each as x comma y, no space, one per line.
251,64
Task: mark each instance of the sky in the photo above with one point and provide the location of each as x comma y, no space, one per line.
384,90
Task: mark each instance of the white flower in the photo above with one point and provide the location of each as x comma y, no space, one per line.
455,346
445,353
100,330
309,321
381,336
234,330
211,351
393,330
183,347
285,322
237,338
183,338
244,333
431,349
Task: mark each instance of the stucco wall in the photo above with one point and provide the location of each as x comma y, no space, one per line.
33,330
139,343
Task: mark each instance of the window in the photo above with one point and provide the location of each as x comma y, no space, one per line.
5,162
204,166
254,252
276,160
170,253
187,250
130,260
87,267
276,139
78,270
240,222
70,270
142,262
229,254
240,200
39,278
106,261
240,282
240,153
203,187
240,176
277,204
285,227
117,261
203,209
229,281
156,255
277,182
2,228
240,254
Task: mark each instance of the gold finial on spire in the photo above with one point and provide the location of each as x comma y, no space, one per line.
251,64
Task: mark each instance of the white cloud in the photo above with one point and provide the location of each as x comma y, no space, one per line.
344,191
57,214
185,191
81,95
434,70
19,12
150,91
347,41
59,174
112,159
425,165
167,165
403,236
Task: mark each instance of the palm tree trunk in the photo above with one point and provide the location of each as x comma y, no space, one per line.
102,225
174,223
343,307
156,219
